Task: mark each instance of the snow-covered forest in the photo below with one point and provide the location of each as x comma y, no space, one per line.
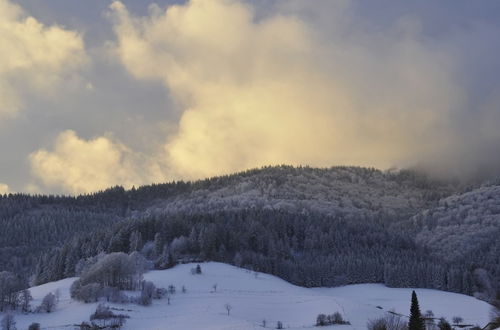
312,227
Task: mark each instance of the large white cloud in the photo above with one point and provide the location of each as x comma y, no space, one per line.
82,166
34,57
258,92
278,87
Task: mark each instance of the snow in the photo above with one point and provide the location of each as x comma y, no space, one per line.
253,298
346,191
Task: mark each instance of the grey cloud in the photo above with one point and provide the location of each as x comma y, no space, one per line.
462,36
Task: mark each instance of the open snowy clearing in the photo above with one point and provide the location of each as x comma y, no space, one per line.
253,298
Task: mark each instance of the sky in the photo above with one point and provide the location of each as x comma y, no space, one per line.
100,93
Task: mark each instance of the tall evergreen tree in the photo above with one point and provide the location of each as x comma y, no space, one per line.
416,320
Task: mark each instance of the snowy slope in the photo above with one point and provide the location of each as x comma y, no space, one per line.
253,298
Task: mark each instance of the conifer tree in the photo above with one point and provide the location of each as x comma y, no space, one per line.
416,321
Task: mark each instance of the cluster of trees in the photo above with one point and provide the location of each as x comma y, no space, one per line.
108,275
13,298
13,295
104,318
331,319
8,322
20,300
389,321
419,321
149,292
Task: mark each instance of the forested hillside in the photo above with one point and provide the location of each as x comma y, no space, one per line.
350,192
313,227
465,229
31,224
306,249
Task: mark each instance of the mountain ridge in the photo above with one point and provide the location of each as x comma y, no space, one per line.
362,207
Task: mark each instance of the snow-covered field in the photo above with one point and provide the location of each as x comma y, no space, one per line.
253,298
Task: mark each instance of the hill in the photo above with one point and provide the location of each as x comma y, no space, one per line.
312,227
34,224
254,297
464,229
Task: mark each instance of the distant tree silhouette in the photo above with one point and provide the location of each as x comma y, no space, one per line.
228,308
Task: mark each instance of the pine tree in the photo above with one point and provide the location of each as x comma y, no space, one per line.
416,321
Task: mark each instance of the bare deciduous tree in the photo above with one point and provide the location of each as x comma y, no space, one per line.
228,308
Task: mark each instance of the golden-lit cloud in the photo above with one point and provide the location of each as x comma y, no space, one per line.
34,57
4,189
82,166
270,91
262,89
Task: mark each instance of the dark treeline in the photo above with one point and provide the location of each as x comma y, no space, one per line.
33,224
306,249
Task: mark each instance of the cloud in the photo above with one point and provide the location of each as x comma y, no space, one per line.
83,166
270,91
35,58
295,82
4,189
